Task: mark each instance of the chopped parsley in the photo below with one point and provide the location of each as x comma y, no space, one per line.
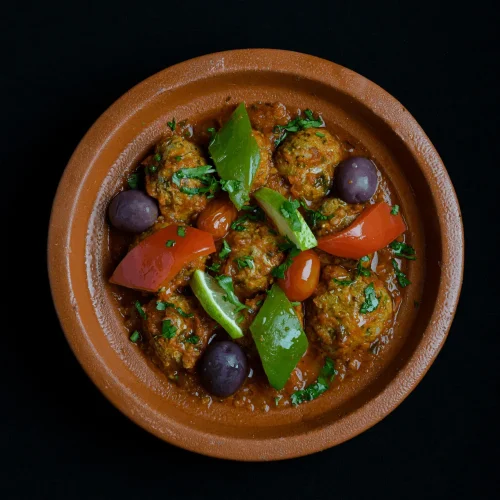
254,214
226,283
289,211
400,275
152,168
161,306
230,186
203,174
226,250
293,251
157,157
181,231
214,267
192,339
343,282
135,337
371,301
168,329
403,250
170,243
321,385
319,134
277,400
133,181
245,261
177,158
172,124
362,270
395,210
313,216
140,310
295,304
299,123
240,318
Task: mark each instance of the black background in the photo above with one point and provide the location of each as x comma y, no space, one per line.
63,65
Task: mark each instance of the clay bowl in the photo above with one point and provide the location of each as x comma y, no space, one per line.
78,251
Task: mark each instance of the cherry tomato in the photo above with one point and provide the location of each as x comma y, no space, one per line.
217,218
301,278
159,257
373,230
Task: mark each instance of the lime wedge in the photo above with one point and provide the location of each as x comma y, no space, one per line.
211,297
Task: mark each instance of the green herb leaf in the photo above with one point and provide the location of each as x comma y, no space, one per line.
212,133
226,250
153,168
192,173
362,270
226,283
172,124
214,267
230,186
319,134
140,310
313,216
177,158
279,271
299,123
343,282
401,276
157,157
289,211
161,306
192,339
371,301
319,387
245,261
170,243
181,231
133,181
168,329
295,304
395,210
403,250
254,214
135,337
240,318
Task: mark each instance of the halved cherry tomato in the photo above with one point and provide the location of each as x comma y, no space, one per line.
373,230
217,218
152,264
301,278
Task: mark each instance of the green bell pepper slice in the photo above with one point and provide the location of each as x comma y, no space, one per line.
236,156
279,337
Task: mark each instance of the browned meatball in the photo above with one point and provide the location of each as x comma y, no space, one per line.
254,253
171,155
334,316
307,159
340,213
179,334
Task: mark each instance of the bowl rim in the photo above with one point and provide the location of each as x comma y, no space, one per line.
391,112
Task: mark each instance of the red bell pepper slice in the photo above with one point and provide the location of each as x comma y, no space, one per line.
373,230
152,264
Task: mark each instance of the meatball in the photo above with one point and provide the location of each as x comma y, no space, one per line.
341,215
175,153
334,316
264,117
185,335
308,159
265,164
254,253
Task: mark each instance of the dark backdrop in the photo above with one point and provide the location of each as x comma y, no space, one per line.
62,66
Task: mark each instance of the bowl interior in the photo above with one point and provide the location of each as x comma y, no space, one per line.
80,266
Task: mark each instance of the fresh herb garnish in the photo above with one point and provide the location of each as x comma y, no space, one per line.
321,385
210,183
371,301
135,337
172,124
401,276
245,261
181,231
277,400
253,214
403,250
295,304
343,282
230,186
161,306
313,216
212,133
167,329
153,168
192,339
395,210
157,157
133,181
319,134
299,123
289,211
140,310
226,250
214,267
226,283
362,270
170,243
240,318
177,158
293,251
